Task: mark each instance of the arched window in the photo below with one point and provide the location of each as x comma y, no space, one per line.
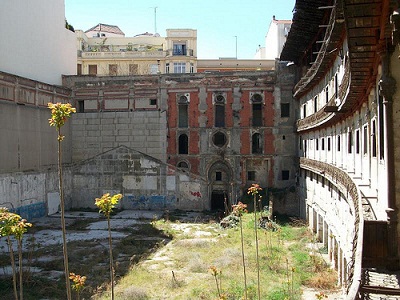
183,112
256,145
257,109
183,144
219,111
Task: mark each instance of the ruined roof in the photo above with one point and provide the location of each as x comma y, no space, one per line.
307,18
106,28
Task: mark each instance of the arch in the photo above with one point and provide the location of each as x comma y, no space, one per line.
220,181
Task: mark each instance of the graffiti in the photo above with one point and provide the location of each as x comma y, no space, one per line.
196,194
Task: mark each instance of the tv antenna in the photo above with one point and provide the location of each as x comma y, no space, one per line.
155,19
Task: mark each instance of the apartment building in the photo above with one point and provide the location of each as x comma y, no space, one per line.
104,50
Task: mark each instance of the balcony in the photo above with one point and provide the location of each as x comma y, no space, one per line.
122,54
329,111
180,52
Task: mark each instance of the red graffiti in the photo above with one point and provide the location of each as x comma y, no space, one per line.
196,194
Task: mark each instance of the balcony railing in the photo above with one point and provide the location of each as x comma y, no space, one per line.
180,52
124,54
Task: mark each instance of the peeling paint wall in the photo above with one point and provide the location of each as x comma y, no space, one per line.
140,178
27,193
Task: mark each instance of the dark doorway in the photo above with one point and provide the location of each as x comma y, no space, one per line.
218,199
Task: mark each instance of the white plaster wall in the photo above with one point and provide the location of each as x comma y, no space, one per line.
34,41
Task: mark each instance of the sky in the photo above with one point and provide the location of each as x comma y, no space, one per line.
220,24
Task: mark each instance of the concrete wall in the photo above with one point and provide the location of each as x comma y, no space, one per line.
34,41
34,194
28,151
29,143
98,132
146,183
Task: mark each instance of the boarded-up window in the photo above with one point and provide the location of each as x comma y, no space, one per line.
113,70
92,69
133,69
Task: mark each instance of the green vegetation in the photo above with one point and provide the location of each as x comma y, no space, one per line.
204,261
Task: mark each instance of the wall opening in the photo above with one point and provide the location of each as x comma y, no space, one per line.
219,199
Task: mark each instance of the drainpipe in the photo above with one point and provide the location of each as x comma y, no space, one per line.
387,88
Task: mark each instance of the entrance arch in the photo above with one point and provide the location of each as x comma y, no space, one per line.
220,183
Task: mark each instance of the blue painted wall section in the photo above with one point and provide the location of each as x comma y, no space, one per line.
32,211
155,202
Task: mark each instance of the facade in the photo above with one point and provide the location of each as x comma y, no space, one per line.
347,70
34,41
208,136
104,50
274,39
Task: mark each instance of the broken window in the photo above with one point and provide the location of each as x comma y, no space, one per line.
183,144
256,147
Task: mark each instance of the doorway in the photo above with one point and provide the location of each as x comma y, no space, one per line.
219,200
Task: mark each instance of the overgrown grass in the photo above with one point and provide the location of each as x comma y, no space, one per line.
181,271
